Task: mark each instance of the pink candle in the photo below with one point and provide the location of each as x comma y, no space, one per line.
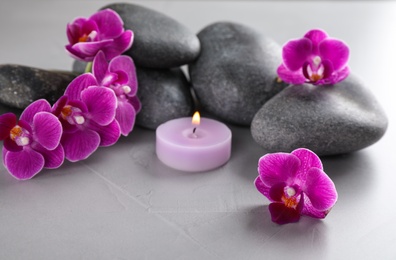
193,146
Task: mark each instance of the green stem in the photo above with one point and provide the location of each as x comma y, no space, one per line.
88,68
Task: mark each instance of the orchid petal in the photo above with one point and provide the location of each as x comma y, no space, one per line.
25,125
311,211
58,106
53,159
77,55
121,78
308,160
277,191
99,66
40,105
126,64
281,214
101,103
135,102
91,48
110,24
86,51
336,51
79,104
73,91
7,122
78,28
11,145
293,77
261,187
295,53
80,145
67,127
109,134
337,76
125,116
87,27
316,36
278,167
328,69
119,46
74,29
109,79
320,189
25,164
47,130
4,153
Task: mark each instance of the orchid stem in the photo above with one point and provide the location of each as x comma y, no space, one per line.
88,68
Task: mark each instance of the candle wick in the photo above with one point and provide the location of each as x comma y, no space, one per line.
194,130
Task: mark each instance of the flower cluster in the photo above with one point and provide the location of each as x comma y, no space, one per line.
315,59
94,111
296,185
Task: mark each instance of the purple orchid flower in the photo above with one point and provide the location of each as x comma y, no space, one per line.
120,76
315,59
33,143
296,185
104,31
87,113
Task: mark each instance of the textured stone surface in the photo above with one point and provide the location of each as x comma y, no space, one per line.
235,73
159,40
326,119
21,85
165,95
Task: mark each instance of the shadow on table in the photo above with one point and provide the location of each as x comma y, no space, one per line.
290,239
353,174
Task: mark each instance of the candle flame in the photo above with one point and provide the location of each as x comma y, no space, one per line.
196,118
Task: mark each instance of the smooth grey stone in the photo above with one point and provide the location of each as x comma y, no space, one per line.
235,73
164,94
159,40
21,85
328,120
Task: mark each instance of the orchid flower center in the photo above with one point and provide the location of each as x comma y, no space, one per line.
72,115
109,79
315,70
126,89
19,136
121,90
289,197
88,37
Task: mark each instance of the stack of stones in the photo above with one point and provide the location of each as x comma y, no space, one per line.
232,74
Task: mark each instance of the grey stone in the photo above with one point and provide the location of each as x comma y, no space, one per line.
79,66
6,109
159,40
164,94
329,120
21,85
235,73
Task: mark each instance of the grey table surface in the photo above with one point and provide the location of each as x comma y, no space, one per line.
123,203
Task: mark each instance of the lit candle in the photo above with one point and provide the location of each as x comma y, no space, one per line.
200,144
